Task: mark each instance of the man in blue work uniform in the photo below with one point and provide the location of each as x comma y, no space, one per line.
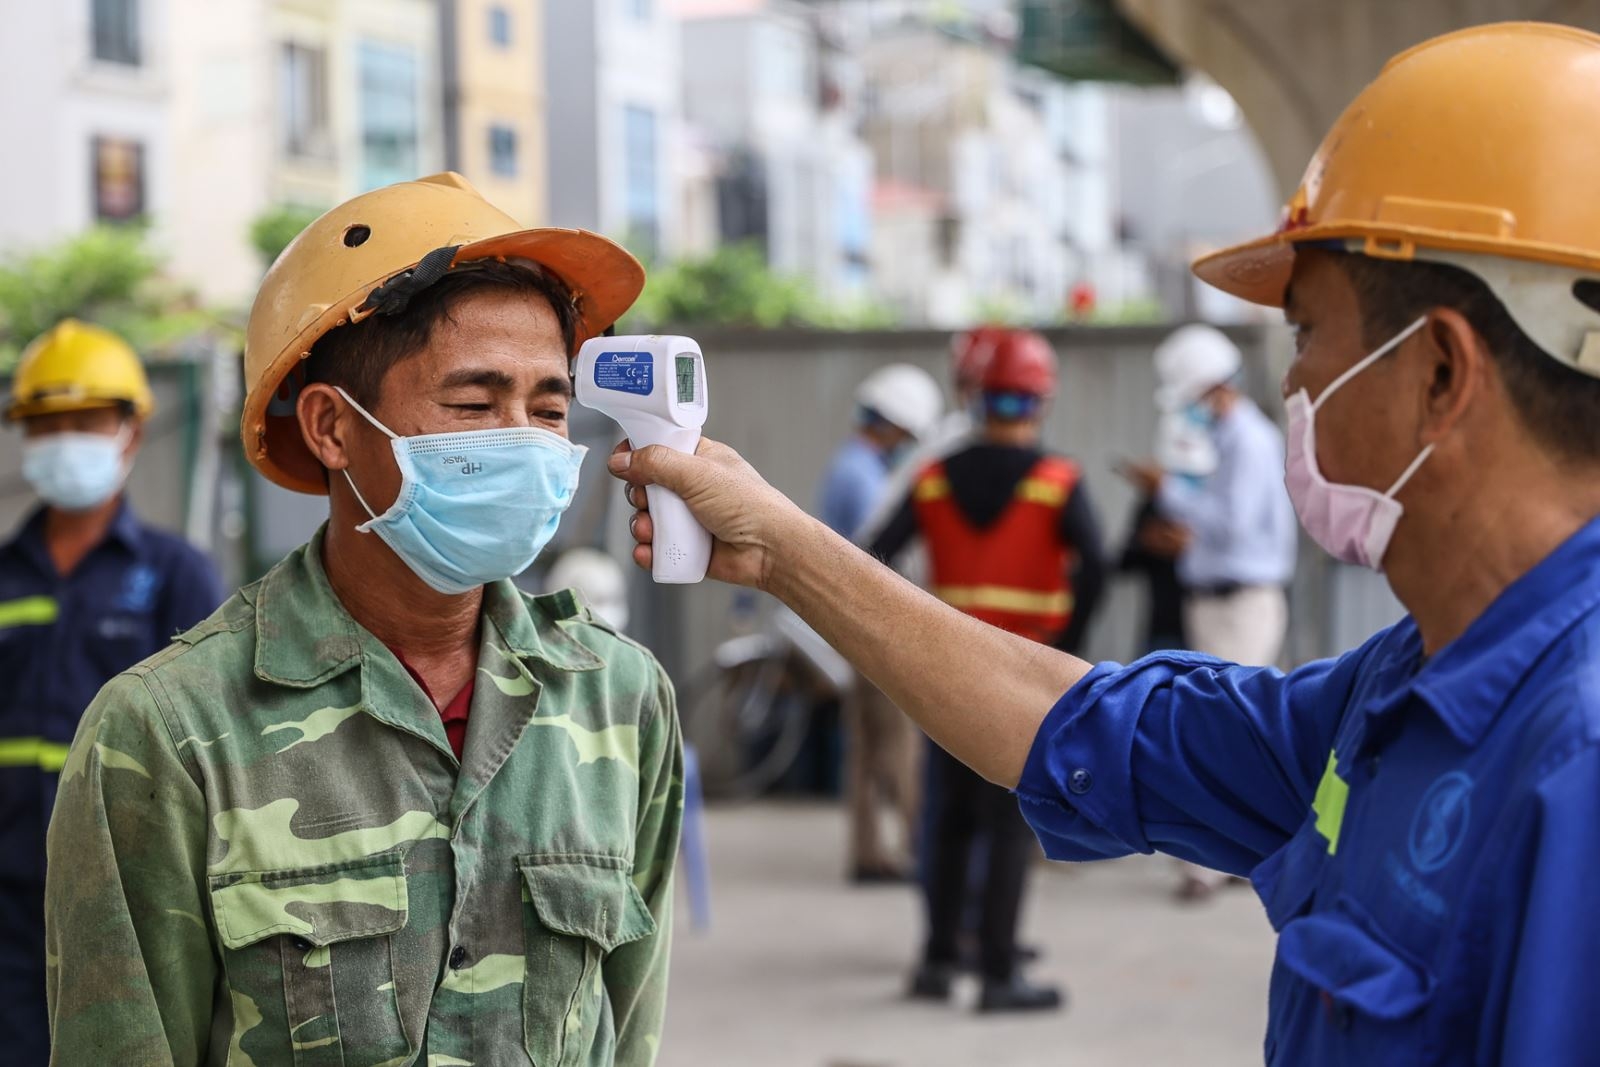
1420,817
86,590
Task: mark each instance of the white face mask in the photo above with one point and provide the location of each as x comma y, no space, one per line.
1352,523
76,471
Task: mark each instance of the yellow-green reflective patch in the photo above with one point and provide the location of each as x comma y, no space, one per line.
1329,803
29,611
33,752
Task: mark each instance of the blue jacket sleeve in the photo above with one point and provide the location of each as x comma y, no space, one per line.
1184,754
1550,955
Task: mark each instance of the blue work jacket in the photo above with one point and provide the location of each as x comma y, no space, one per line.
1425,835
61,639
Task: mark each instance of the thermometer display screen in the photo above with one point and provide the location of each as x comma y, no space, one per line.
686,379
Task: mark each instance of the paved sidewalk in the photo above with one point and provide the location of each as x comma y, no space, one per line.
800,971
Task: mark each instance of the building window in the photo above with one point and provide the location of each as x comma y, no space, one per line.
640,9
642,200
115,26
303,101
118,176
500,26
503,151
389,113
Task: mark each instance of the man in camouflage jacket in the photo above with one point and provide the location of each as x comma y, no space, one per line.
272,847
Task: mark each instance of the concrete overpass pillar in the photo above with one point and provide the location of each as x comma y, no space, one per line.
1293,65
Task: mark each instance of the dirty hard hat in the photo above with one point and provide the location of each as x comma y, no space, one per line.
366,257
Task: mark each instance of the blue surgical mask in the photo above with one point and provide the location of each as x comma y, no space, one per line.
474,507
75,471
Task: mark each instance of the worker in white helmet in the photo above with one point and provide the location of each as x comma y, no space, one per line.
895,406
1241,546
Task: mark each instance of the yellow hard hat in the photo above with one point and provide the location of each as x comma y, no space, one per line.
324,279
75,366
1479,143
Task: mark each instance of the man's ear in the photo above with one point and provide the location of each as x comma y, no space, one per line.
323,424
135,438
1456,370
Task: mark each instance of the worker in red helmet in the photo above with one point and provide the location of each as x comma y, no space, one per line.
1011,539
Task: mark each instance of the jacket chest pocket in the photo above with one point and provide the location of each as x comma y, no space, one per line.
576,910
1366,993
308,960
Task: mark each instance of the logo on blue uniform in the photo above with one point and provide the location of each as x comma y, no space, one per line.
139,589
1440,824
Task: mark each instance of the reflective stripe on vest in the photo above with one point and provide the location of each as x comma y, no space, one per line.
29,611
1003,598
33,752
1011,573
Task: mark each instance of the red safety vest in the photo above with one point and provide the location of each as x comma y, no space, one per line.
1012,574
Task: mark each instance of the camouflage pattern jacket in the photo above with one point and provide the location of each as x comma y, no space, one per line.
265,853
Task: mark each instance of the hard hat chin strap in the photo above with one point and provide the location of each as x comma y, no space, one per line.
392,297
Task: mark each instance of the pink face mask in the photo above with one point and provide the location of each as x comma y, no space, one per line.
1352,523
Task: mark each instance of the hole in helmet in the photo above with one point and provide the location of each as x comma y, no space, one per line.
356,236
1587,291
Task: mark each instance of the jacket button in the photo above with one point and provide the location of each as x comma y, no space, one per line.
1081,781
458,958
301,944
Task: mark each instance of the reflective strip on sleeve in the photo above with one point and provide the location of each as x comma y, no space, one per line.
32,752
1329,803
1002,598
29,611
1040,491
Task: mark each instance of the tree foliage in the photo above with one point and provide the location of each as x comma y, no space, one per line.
272,230
734,286
106,275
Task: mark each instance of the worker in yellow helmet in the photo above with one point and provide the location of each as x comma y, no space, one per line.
86,590
1421,816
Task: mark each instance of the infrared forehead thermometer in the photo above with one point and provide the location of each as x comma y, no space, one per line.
655,389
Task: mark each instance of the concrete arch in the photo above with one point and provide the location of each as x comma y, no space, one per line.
1293,65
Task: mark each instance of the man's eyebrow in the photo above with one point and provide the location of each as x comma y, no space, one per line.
482,376
558,384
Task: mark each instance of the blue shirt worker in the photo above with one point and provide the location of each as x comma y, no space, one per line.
86,590
1242,548
1421,816
897,406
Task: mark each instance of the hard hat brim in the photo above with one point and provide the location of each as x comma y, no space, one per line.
604,278
1259,270
56,405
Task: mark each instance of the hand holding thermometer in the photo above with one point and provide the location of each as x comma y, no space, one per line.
655,389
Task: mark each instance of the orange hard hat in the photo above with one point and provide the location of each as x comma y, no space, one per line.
1480,142
1022,362
325,277
970,352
